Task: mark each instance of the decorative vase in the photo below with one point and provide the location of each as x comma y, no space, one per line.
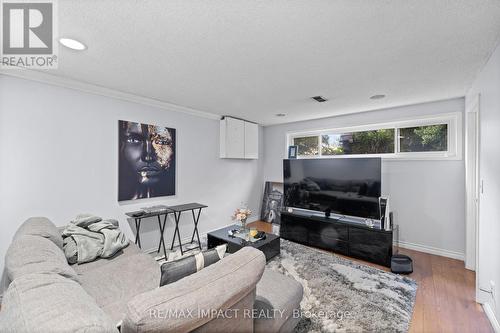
244,225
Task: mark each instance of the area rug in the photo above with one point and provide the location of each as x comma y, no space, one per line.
343,296
340,295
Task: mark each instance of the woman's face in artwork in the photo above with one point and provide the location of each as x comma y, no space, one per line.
148,151
273,204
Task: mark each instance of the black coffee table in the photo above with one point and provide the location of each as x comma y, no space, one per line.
269,245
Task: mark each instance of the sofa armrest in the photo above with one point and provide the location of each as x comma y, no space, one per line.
193,301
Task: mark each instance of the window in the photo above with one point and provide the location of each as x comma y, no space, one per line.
424,138
307,145
433,137
355,143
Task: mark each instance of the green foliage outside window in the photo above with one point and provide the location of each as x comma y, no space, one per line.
307,146
366,142
424,138
411,139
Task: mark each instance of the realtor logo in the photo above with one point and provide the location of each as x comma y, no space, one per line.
28,30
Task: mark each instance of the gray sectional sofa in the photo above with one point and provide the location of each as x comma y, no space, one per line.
46,294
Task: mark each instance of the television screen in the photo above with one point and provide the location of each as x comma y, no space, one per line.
345,186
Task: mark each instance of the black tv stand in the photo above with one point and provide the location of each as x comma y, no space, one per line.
338,235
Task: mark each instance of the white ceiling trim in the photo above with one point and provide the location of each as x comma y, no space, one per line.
102,91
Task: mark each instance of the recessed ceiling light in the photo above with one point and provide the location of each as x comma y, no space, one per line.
319,99
72,44
377,96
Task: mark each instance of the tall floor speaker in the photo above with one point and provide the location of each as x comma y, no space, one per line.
385,215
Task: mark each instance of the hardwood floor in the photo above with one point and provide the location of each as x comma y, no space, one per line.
445,295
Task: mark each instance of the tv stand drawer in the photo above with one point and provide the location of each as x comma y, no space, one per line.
328,229
332,244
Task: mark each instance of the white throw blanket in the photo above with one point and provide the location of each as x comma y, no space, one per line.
89,237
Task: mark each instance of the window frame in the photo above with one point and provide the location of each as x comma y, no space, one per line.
454,137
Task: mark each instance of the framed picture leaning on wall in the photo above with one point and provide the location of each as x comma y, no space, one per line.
272,202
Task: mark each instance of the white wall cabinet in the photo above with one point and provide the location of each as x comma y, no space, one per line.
251,140
239,139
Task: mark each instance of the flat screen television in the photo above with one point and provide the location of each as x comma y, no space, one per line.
345,186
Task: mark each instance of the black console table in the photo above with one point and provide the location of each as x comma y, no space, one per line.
177,210
348,238
139,215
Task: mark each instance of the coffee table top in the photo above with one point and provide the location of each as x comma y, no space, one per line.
223,234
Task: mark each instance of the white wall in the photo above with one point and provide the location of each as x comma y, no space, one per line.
427,197
59,157
487,84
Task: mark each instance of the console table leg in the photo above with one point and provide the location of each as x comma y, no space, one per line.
162,239
137,229
175,232
177,220
161,232
195,231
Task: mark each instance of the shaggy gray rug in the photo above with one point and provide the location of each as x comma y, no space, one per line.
343,296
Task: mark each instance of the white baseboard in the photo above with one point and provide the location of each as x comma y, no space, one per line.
431,250
491,316
482,297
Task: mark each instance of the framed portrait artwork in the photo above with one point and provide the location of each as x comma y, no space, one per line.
146,161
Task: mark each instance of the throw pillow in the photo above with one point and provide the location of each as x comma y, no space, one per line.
175,270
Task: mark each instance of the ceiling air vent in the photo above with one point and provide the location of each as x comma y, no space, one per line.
319,99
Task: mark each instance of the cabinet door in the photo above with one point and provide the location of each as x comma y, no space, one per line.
329,230
294,228
370,245
251,140
234,139
330,236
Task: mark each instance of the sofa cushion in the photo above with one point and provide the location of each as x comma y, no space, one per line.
277,292
114,282
51,303
172,271
35,254
40,226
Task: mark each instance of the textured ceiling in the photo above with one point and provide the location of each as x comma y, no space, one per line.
253,59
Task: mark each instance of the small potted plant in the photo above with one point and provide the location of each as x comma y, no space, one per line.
241,215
